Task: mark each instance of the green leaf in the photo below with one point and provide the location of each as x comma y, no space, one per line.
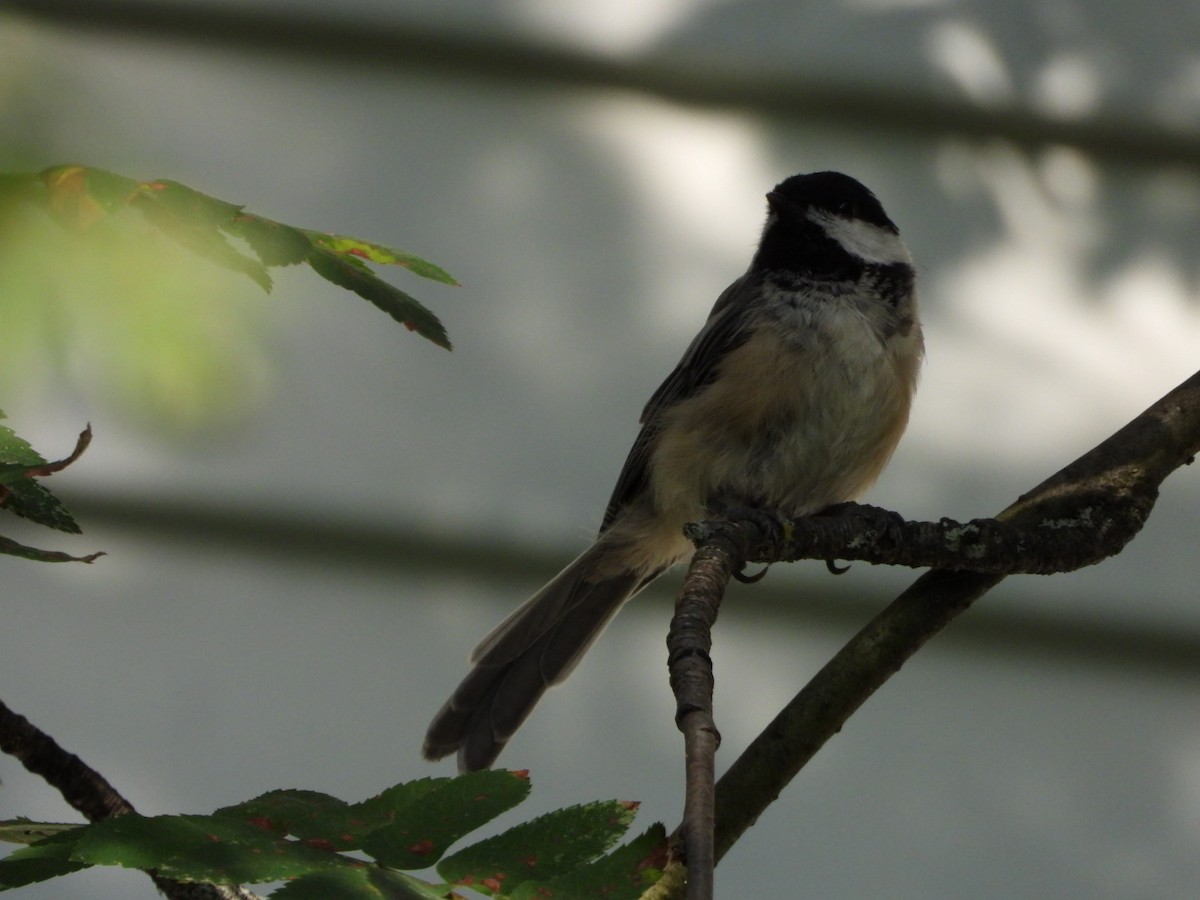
456,807
201,848
194,220
625,874
23,187
25,831
15,449
21,494
46,859
275,243
546,848
377,253
351,273
304,814
29,500
190,204
80,196
370,883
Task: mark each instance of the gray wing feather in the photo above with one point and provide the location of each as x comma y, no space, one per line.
724,330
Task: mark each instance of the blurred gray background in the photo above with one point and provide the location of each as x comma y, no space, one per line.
311,515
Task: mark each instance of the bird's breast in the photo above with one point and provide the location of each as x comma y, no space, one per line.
804,413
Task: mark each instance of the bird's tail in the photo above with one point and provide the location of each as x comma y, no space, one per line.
535,647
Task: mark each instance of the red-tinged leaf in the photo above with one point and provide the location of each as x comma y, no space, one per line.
624,874
377,253
542,850
201,848
190,204
79,196
422,832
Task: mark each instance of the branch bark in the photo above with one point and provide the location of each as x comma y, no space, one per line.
90,793
688,643
1084,513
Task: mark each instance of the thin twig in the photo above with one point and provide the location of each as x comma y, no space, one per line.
688,645
90,793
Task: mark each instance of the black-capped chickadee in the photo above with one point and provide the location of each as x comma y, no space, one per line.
790,399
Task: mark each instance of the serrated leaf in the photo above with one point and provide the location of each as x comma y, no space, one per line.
297,812
378,253
371,883
624,874
350,273
425,830
201,848
314,816
22,495
194,220
29,500
275,244
544,849
15,449
46,859
26,831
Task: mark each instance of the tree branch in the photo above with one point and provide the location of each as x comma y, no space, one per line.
688,643
90,793
1084,513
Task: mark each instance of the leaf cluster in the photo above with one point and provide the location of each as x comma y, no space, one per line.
23,495
80,197
323,847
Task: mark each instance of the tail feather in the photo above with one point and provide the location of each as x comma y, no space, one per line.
534,648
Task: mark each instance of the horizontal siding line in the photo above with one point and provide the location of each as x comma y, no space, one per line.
512,59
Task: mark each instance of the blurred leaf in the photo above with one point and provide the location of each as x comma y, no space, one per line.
119,307
80,196
190,205
546,848
195,220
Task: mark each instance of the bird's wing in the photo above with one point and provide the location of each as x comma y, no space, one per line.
724,330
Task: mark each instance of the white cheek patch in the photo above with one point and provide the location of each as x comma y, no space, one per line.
862,239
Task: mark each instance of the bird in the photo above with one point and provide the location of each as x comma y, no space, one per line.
791,399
